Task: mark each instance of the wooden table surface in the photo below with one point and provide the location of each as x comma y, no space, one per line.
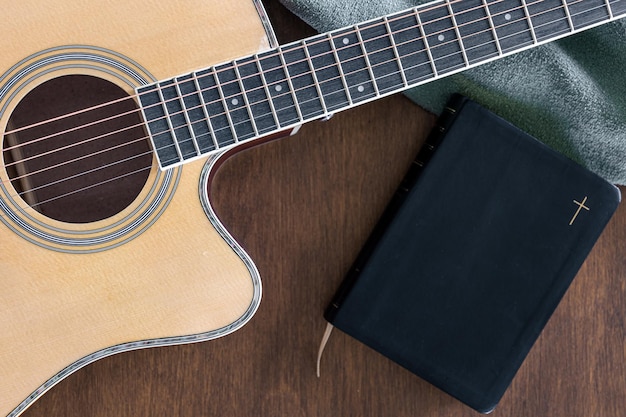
302,207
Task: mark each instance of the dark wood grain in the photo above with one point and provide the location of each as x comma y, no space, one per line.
302,207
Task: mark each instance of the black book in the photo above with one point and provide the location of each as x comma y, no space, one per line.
473,254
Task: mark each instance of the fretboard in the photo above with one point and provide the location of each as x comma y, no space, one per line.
196,114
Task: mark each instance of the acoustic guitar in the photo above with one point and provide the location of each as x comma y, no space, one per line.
113,124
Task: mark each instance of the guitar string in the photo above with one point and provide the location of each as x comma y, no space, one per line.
247,92
157,88
357,57
177,98
93,185
89,171
80,158
85,156
216,72
85,188
400,15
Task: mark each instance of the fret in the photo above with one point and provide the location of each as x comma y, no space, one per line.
302,79
415,58
309,61
475,30
328,73
428,51
232,95
280,87
353,65
342,76
195,112
456,30
492,26
203,105
367,59
567,14
268,94
189,126
246,103
530,23
270,102
222,99
585,13
549,18
385,64
177,120
257,96
512,24
158,127
293,95
618,7
608,8
396,54
442,39
168,121
212,96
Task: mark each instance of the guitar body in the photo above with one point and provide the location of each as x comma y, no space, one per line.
158,269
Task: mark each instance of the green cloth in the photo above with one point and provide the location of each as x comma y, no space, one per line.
570,93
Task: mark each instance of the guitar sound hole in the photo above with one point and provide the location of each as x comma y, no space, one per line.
80,168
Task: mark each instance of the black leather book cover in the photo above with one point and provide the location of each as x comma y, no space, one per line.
473,255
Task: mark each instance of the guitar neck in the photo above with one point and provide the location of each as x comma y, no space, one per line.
209,110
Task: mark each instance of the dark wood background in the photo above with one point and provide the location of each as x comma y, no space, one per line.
302,207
